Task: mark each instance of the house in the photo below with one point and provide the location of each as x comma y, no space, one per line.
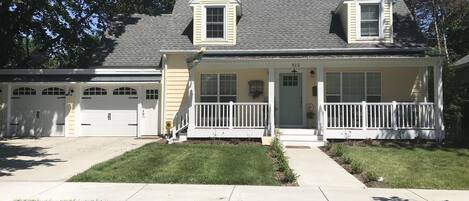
311,69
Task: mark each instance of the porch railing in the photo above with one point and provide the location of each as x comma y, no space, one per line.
180,121
231,115
379,115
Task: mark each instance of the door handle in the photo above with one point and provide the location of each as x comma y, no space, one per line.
37,114
109,116
143,113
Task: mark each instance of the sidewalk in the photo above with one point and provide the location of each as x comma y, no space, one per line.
52,191
315,168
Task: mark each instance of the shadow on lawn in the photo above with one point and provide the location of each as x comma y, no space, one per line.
393,198
20,157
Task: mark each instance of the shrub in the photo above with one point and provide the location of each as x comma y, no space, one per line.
282,162
338,150
357,168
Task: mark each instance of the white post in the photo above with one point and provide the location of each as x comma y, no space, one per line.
319,111
140,112
394,115
424,82
272,101
230,114
7,116
364,116
438,96
191,97
78,92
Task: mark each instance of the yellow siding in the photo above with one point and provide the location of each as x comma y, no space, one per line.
176,79
70,118
230,23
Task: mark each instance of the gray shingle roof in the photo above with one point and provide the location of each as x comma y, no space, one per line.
139,45
292,24
264,25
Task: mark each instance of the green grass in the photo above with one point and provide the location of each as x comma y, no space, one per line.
188,164
436,168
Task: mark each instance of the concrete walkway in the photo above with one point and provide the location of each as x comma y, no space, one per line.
315,168
57,159
52,191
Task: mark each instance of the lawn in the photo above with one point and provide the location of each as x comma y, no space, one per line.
188,164
411,167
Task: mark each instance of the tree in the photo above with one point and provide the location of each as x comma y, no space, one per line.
62,33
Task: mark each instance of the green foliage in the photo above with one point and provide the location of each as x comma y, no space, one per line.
282,162
62,33
338,150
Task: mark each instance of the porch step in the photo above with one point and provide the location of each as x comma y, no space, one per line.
300,137
298,131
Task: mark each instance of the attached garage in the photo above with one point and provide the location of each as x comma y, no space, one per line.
109,111
37,111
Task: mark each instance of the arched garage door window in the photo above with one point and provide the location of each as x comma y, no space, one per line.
124,91
24,91
95,91
53,91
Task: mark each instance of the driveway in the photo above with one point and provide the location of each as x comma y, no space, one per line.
57,159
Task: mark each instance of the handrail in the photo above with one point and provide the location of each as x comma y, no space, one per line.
231,115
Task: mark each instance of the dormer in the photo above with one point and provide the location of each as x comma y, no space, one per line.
367,21
215,21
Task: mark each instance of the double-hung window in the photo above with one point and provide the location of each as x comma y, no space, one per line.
369,20
353,86
218,88
215,22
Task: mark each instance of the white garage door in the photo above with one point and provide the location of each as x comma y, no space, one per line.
38,112
109,112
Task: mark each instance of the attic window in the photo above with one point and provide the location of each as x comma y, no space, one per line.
370,15
215,22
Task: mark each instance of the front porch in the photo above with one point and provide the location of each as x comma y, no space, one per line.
393,102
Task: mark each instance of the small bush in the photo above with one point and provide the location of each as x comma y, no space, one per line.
347,160
282,162
372,176
338,150
357,168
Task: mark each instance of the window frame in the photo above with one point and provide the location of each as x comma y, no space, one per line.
122,91
204,22
218,95
53,91
380,5
88,90
365,85
21,91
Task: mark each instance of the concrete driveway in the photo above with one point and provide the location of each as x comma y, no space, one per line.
57,159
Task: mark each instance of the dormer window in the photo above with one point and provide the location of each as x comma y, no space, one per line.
215,22
369,20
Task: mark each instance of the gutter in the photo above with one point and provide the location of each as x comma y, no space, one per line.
302,51
135,71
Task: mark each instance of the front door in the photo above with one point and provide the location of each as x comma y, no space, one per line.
290,100
150,112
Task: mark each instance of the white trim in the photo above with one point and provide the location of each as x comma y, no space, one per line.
135,71
204,23
226,133
317,50
381,19
163,93
271,101
401,134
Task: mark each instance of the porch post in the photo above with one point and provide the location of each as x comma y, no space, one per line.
320,104
424,84
191,96
438,96
272,101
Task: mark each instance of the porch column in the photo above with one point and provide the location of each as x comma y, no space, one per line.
320,104
272,101
191,97
424,83
438,96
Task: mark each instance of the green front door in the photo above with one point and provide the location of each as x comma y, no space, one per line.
290,100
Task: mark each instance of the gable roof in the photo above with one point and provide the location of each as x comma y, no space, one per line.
462,62
292,24
264,25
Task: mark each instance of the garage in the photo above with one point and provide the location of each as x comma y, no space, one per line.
109,111
37,111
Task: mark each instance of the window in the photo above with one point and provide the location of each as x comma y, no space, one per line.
95,91
218,88
215,22
370,15
151,94
290,81
53,91
353,86
124,91
24,91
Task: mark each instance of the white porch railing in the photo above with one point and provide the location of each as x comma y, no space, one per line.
379,115
231,115
180,121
